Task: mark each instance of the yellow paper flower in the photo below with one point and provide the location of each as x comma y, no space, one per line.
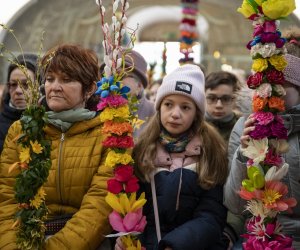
260,64
247,9
275,9
113,158
137,123
109,114
36,147
123,205
278,61
130,243
38,199
256,150
25,155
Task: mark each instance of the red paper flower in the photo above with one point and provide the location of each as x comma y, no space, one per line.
255,80
275,76
124,180
119,142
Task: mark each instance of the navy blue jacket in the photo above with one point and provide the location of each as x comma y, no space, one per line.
199,221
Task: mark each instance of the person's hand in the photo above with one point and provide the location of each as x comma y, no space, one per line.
119,245
249,126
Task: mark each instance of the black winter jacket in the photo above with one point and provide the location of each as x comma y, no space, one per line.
8,116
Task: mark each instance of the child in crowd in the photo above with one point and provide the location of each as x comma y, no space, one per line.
179,169
220,89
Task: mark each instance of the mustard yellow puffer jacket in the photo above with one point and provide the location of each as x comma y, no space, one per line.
76,184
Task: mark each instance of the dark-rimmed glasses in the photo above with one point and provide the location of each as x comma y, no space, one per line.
225,99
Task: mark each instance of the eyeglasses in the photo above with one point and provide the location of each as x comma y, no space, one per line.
14,85
225,99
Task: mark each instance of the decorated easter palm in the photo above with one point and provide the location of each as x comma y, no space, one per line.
32,169
266,194
117,114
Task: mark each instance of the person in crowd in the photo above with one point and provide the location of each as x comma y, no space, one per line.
221,89
179,171
13,102
153,90
137,81
76,186
239,137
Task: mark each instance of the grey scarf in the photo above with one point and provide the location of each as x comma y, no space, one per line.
65,119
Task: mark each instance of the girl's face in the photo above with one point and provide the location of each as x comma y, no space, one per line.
63,93
177,113
292,96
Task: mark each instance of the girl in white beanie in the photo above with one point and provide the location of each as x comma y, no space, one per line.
181,161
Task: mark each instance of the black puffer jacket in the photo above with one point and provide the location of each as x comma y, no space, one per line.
7,117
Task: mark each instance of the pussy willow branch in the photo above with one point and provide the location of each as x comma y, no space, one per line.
102,25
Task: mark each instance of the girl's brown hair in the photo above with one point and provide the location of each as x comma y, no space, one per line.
76,62
212,166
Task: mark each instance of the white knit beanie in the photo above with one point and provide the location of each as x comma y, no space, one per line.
186,80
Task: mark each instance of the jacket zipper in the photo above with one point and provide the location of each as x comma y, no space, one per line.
58,186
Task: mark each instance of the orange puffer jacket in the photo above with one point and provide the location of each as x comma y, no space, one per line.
76,185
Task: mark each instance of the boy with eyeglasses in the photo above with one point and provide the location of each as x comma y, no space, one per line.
220,90
13,102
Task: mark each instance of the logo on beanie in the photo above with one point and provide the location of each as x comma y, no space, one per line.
184,87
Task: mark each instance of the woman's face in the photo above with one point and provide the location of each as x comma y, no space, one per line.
16,95
177,113
292,97
62,92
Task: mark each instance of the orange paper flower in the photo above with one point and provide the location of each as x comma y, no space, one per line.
118,128
276,103
258,103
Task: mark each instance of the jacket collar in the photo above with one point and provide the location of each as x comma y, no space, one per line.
163,158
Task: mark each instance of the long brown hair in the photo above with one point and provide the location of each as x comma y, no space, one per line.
78,63
212,166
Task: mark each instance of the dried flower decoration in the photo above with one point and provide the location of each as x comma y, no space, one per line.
117,114
34,155
265,193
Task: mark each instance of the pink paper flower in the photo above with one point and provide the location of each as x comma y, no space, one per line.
263,118
260,132
277,129
111,101
272,158
132,222
274,196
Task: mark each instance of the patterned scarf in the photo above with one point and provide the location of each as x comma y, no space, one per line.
174,145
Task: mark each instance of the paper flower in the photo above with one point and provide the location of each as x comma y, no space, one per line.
256,150
36,147
113,158
109,114
25,155
275,9
118,142
131,222
117,128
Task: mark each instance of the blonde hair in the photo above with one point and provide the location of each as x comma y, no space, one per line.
211,168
